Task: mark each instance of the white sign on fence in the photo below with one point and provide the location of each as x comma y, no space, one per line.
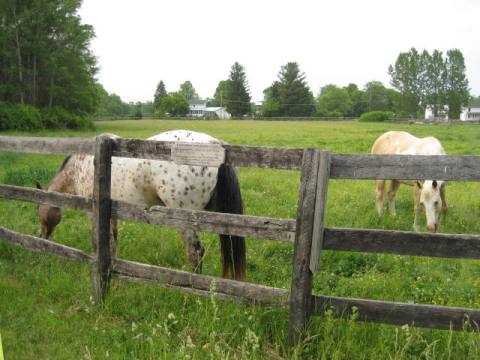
198,154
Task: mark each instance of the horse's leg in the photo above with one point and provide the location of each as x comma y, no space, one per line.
193,248
392,192
380,186
444,201
113,237
417,207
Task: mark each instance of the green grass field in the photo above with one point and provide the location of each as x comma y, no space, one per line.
46,310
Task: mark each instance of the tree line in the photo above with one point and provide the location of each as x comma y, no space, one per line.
47,71
47,79
419,80
434,80
232,93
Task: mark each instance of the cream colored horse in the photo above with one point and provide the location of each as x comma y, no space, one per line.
428,194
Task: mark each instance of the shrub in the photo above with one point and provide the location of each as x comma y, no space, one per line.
6,116
27,117
19,117
376,116
57,117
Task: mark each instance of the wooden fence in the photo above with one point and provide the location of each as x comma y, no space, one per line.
307,232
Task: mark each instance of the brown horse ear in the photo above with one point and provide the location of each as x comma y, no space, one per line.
419,184
434,184
37,184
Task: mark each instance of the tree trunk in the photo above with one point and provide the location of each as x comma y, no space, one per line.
34,78
19,56
50,93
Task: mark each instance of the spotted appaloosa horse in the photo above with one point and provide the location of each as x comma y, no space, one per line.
429,194
154,182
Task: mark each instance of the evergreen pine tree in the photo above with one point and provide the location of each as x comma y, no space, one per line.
295,97
238,94
160,93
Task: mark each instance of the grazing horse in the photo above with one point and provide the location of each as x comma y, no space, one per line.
429,194
155,182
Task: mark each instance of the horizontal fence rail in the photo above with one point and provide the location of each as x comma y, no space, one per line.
358,240
343,166
220,223
402,243
265,157
42,245
52,198
405,167
45,145
253,293
397,313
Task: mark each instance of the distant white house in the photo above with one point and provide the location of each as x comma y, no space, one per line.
199,108
468,113
442,114
471,112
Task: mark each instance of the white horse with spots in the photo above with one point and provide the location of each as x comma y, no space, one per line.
154,182
428,194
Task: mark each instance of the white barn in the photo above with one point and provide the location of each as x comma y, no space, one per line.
199,108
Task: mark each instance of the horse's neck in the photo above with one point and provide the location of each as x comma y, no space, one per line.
61,182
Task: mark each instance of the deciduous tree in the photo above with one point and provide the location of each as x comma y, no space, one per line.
188,91
457,91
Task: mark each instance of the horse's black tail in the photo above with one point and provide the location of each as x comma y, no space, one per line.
228,199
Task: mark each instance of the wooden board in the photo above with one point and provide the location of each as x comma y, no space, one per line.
278,158
101,215
301,288
255,294
45,145
52,198
320,207
387,312
405,167
220,223
42,245
403,243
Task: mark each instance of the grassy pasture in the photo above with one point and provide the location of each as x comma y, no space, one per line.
46,310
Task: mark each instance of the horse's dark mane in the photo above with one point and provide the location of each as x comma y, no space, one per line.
64,163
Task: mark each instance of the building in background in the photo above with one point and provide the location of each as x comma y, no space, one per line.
471,112
442,114
199,109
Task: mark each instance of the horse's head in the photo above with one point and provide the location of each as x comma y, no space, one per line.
50,216
431,201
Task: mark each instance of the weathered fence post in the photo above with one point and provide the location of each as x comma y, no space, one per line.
301,289
320,206
101,214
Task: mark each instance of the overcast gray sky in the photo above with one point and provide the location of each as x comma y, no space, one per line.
141,42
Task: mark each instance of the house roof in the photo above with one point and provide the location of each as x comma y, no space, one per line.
475,102
197,102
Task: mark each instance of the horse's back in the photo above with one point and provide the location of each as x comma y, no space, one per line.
430,146
184,186
185,136
152,182
404,143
